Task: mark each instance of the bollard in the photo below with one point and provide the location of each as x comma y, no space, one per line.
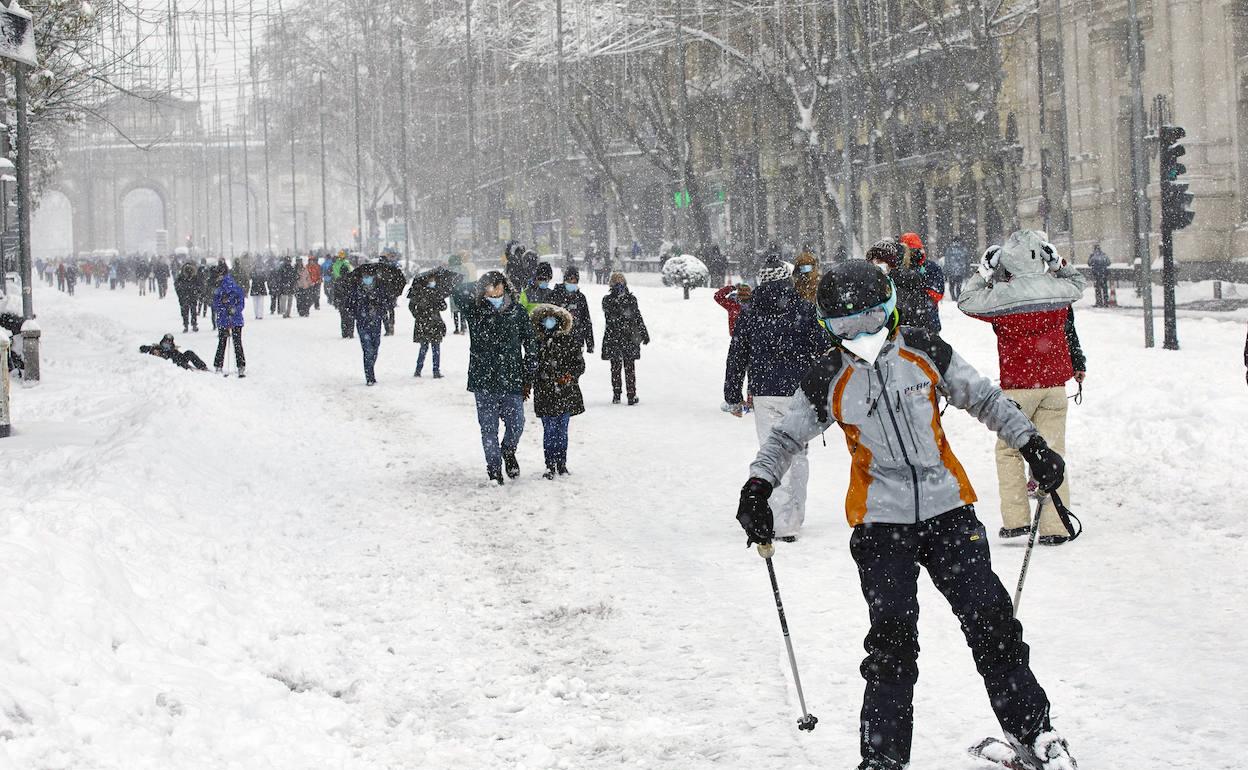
4,389
30,349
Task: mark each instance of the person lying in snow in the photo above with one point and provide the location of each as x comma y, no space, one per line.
167,350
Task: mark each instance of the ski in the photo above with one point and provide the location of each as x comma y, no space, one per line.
999,753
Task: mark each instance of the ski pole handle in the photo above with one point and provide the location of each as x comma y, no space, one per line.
766,550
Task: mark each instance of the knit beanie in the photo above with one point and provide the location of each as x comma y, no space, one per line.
772,270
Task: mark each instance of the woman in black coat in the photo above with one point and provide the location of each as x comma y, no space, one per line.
426,299
568,296
624,335
556,392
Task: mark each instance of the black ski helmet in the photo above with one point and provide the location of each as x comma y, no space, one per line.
854,286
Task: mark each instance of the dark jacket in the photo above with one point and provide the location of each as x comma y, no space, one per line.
625,330
426,306
259,284
776,341
288,274
1099,262
187,284
502,351
1078,361
916,306
576,304
957,261
559,365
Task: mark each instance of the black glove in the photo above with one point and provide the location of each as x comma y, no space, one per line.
753,512
1046,466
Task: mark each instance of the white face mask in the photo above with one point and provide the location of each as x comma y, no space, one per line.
882,265
868,346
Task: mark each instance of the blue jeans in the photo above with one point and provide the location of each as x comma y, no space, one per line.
555,438
437,356
492,407
370,342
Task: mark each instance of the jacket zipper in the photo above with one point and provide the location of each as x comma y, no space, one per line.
914,474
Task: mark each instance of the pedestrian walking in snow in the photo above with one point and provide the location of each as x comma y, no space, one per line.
227,310
1025,290
366,293
501,359
259,292
169,351
304,282
806,276
1099,262
733,299
426,299
910,504
161,272
541,289
456,264
568,296
957,265
775,342
186,286
556,386
623,335
142,272
917,295
288,278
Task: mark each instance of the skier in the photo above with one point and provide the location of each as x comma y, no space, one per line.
623,335
880,383
1025,289
775,342
734,299
569,297
186,286
227,310
169,351
502,355
556,391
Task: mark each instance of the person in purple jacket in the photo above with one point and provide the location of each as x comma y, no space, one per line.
227,311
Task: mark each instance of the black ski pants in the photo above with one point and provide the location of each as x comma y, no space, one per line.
953,547
347,321
223,336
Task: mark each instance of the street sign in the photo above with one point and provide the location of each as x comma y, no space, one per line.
396,232
463,228
17,35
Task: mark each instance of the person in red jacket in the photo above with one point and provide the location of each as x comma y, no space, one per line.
733,299
1025,290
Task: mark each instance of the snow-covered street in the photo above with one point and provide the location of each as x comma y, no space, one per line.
295,571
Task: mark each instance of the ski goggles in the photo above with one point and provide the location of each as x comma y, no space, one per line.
868,321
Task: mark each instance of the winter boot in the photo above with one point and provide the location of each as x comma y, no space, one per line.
241,372
437,375
880,763
416,373
550,471
512,465
1007,532
615,399
563,469
1054,539
496,474
1048,751
632,400
218,370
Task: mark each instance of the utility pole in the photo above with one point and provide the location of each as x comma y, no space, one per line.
684,121
246,176
1141,214
470,75
1045,207
268,198
359,162
1070,195
324,205
561,144
229,189
30,329
407,228
848,123
294,209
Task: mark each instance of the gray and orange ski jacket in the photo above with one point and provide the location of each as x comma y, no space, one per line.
903,470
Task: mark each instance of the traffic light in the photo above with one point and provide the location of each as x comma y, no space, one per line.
1176,201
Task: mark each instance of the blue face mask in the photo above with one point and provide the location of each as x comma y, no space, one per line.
806,269
497,302
544,285
571,288
550,322
367,280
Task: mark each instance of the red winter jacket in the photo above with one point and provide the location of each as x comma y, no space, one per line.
1033,349
731,305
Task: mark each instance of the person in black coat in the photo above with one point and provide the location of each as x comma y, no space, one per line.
161,271
426,299
258,290
169,351
568,296
186,286
556,392
623,336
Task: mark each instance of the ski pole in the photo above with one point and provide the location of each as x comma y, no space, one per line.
808,720
1031,544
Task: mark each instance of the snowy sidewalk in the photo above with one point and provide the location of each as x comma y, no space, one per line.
294,571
